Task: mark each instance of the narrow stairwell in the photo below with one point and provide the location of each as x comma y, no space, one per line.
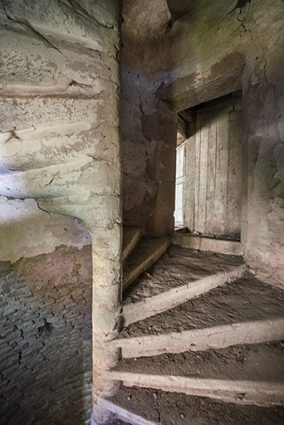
201,338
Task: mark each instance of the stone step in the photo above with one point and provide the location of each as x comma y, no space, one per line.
131,235
242,311
246,374
202,339
232,391
168,408
144,255
180,275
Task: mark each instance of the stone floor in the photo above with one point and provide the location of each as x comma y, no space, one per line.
45,339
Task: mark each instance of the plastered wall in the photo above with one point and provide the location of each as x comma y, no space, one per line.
60,184
59,140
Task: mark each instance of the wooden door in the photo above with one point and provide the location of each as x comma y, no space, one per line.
214,172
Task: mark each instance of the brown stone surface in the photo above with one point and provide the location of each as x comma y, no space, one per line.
180,266
245,299
256,362
179,409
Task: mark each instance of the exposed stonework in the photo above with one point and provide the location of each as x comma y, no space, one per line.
46,338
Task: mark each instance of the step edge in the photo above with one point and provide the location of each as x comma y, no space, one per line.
131,311
216,337
132,243
202,243
133,274
247,392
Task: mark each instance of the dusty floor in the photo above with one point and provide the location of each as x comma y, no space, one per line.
178,267
179,409
244,362
242,300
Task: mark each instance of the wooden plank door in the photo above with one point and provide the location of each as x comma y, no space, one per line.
212,191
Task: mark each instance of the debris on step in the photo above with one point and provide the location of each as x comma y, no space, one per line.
180,275
181,409
144,255
202,339
121,416
245,299
256,371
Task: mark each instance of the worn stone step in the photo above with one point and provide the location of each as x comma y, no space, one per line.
238,312
246,374
145,253
161,407
233,391
202,339
180,275
131,236
246,362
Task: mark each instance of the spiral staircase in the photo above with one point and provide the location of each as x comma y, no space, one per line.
180,320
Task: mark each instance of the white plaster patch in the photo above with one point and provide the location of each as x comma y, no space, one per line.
26,231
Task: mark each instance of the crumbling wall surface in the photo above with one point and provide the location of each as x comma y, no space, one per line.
263,87
46,338
147,125
59,140
26,231
148,133
210,50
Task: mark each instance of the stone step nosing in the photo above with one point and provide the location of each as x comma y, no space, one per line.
151,259
169,299
245,392
217,337
132,243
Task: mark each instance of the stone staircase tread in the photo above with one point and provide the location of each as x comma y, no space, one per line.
217,337
178,295
245,299
180,266
131,236
246,362
234,391
146,252
162,407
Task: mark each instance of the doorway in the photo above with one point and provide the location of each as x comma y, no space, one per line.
209,168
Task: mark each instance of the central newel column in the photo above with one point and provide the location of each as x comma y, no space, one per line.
106,254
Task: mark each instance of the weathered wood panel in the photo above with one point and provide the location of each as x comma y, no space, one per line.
212,192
